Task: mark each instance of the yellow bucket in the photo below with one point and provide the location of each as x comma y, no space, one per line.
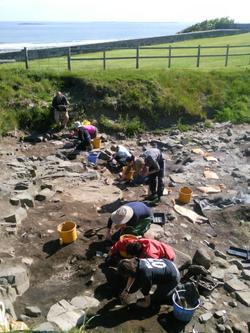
185,195
96,143
86,122
67,232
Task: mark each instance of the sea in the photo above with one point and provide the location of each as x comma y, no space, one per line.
17,35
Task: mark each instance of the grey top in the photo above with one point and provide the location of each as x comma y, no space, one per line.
151,158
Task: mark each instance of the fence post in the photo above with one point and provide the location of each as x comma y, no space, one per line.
104,60
227,54
137,57
69,59
198,56
169,55
26,58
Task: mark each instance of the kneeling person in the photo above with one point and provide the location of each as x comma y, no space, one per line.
132,218
142,274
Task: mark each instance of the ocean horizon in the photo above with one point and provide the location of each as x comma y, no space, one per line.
16,35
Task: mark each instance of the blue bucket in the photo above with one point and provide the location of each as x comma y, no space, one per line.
180,313
92,157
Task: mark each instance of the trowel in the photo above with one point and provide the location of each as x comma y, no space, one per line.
93,232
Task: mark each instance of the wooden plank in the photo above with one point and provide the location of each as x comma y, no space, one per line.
26,58
227,54
137,57
169,56
7,61
104,60
198,56
69,58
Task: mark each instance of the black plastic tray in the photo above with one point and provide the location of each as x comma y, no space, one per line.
238,252
205,285
159,218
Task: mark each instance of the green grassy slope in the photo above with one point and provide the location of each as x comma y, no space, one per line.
125,100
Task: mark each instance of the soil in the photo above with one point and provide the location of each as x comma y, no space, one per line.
63,272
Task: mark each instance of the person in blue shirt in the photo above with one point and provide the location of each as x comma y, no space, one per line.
142,274
132,218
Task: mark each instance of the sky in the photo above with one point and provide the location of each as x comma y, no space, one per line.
124,10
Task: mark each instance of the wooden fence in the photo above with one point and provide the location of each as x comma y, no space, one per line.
137,57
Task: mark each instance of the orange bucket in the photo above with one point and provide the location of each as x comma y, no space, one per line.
185,195
96,143
67,232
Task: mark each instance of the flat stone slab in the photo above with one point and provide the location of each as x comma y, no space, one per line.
17,216
243,297
24,199
94,192
45,194
65,315
246,274
17,277
235,285
218,274
84,302
176,178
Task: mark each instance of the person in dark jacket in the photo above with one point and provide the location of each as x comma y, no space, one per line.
132,218
83,136
151,165
142,274
59,105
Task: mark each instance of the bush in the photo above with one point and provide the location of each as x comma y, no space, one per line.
35,118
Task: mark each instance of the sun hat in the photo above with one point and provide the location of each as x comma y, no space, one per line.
77,124
139,162
122,215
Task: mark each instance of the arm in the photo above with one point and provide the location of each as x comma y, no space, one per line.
64,101
153,164
124,294
109,225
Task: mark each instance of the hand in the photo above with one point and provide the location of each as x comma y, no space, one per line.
124,297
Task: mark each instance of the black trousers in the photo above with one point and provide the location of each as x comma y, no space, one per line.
156,180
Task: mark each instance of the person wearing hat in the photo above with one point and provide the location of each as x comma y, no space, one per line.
83,136
132,218
142,274
151,164
59,106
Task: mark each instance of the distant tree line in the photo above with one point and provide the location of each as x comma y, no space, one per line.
218,23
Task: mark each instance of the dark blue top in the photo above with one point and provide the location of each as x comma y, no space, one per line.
140,210
155,271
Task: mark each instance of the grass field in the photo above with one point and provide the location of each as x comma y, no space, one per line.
234,62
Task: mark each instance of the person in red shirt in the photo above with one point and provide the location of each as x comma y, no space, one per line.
142,248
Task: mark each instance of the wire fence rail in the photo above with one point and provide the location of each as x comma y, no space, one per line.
138,54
